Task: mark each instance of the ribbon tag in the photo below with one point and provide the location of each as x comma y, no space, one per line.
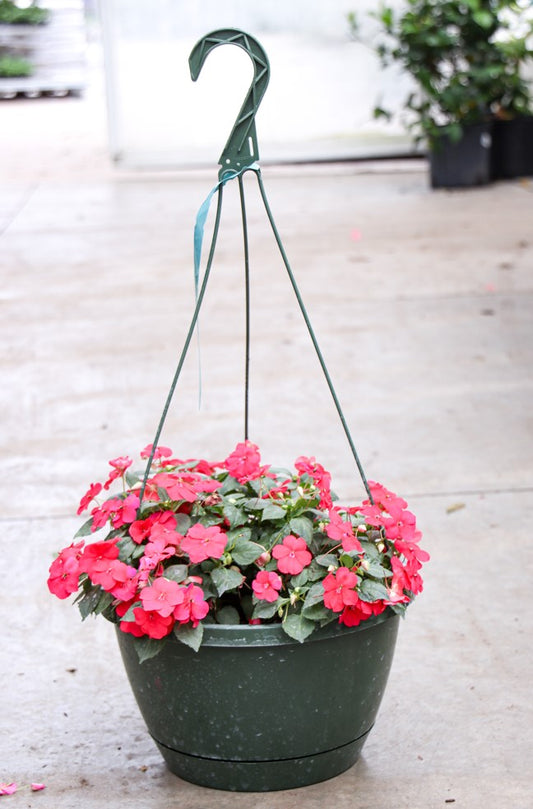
199,227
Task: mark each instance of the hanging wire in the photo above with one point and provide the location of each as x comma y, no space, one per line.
199,301
312,335
247,307
200,297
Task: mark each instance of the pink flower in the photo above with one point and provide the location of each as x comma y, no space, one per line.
353,615
320,476
160,452
65,571
292,555
127,511
97,556
153,624
115,577
184,486
201,542
130,627
339,589
140,529
161,597
192,606
341,530
266,585
244,462
94,490
410,549
8,789
402,525
101,514
156,523
388,501
119,468
400,581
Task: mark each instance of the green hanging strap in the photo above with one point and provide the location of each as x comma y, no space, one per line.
240,155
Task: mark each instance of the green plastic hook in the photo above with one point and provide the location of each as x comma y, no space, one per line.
241,149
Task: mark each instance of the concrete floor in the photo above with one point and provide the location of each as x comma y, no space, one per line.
422,303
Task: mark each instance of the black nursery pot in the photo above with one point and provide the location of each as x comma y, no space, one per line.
512,148
464,163
254,710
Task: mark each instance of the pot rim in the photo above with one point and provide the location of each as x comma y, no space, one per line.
275,635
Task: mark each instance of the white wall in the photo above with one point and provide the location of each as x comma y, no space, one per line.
319,103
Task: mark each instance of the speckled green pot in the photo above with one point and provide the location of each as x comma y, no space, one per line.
255,711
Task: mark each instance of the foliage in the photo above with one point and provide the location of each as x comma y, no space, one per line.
466,59
14,67
192,542
13,14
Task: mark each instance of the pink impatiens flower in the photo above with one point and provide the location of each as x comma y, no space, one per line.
119,468
267,585
160,452
244,463
153,623
342,531
161,597
339,589
202,542
320,476
353,615
88,497
292,555
97,556
192,606
65,571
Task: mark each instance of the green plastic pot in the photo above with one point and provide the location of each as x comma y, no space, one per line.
255,711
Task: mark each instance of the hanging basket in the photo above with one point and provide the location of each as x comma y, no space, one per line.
255,711
257,619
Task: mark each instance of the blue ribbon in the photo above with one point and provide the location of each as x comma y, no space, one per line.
199,226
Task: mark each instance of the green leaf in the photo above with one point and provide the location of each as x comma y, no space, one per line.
316,612
85,529
228,615
240,532
176,573
183,522
235,516
370,549
147,647
133,477
315,595
302,527
128,550
245,552
298,627
189,635
301,579
327,559
225,578
265,609
373,568
94,600
272,512
371,590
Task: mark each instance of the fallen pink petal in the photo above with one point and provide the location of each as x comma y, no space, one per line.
355,235
37,787
8,789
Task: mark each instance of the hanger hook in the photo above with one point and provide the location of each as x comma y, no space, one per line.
241,149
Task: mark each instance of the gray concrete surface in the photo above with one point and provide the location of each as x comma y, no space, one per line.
422,304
